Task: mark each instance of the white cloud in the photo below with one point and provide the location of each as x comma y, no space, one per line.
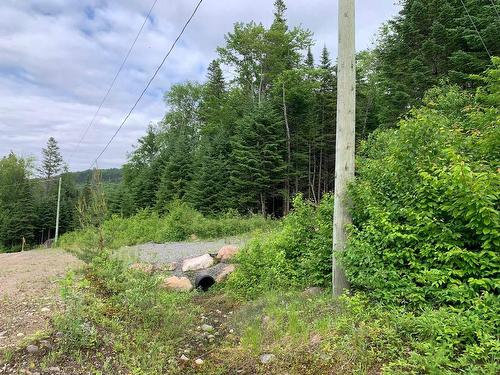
57,58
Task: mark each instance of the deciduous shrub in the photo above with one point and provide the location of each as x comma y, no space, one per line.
297,254
425,204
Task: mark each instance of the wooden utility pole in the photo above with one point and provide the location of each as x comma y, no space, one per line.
344,148
58,207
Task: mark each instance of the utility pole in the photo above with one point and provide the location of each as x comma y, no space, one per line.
344,148
58,207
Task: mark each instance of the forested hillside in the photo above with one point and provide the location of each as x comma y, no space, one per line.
261,129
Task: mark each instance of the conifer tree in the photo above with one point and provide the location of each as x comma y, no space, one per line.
52,161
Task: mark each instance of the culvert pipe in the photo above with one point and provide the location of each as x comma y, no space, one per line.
204,282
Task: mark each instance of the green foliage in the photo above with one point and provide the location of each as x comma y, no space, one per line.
353,335
179,223
17,211
426,221
125,313
428,41
295,255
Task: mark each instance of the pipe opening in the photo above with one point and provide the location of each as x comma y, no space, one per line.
204,282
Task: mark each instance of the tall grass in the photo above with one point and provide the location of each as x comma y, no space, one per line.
179,224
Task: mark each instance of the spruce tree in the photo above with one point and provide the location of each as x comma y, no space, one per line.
52,161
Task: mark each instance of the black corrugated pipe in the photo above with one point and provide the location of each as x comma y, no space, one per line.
204,282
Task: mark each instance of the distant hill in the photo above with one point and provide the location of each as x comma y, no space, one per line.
110,176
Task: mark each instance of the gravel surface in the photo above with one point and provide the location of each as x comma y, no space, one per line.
174,251
29,292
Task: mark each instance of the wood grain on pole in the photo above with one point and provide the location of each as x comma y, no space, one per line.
344,149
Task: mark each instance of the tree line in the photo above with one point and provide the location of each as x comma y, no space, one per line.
28,198
262,127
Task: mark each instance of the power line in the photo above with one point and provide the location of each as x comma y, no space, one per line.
149,83
477,31
113,81
495,7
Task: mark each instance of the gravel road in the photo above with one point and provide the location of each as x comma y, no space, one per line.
174,251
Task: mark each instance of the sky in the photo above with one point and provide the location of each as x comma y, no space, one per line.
58,58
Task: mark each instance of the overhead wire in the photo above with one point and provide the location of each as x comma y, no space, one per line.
477,30
148,84
495,7
105,97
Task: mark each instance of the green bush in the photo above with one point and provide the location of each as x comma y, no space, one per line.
297,254
425,205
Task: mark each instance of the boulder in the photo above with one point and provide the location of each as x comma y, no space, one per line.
198,263
167,267
227,252
225,272
180,284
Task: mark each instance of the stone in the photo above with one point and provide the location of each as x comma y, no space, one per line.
315,339
179,284
20,334
184,358
266,358
54,369
59,335
207,328
143,267
45,310
225,272
3,333
45,344
227,252
32,349
199,361
197,263
168,266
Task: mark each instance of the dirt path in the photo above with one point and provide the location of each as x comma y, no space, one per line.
29,291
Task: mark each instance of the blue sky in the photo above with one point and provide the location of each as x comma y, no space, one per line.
58,57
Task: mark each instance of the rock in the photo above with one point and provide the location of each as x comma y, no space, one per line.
3,333
32,349
54,369
20,334
199,361
207,328
315,339
225,272
184,358
267,358
197,263
211,337
168,266
45,309
45,344
231,331
227,252
59,334
180,284
313,291
143,267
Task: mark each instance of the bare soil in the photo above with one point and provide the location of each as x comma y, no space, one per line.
29,292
